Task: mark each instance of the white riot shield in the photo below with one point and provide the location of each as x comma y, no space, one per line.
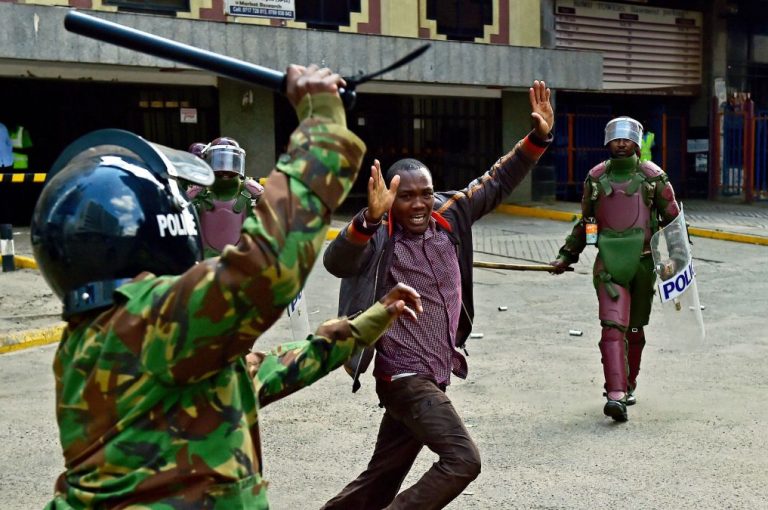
297,313
673,263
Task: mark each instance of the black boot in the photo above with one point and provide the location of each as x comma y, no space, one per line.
616,409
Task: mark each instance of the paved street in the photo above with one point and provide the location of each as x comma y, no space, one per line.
532,400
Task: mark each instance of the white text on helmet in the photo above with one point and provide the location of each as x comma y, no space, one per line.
177,224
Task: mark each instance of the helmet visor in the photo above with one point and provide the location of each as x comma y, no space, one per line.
187,166
626,128
226,158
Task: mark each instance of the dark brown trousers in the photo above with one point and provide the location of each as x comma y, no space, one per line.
418,413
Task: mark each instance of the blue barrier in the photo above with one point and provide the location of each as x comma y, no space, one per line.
732,179
761,155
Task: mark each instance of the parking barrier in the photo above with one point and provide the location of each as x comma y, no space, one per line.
6,247
21,178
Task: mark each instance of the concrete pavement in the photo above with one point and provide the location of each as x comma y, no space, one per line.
532,401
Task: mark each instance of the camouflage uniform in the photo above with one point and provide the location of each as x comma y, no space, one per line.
154,403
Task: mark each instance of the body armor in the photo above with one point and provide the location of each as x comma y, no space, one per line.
221,219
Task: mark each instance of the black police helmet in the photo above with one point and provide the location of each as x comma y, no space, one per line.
111,209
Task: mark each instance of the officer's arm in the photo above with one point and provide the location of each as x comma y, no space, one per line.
666,204
577,239
674,234
293,366
213,313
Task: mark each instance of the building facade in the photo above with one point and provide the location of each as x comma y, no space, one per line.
458,107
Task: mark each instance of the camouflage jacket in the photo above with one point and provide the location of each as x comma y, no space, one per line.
154,404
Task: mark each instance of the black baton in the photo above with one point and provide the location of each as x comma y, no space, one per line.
133,39
126,37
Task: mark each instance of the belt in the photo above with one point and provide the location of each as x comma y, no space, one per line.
394,378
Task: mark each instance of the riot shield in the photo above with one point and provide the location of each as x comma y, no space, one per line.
676,286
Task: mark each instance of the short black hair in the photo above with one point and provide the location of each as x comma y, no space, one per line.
404,165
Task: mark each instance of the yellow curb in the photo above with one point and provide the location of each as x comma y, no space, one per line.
728,236
535,212
33,338
24,262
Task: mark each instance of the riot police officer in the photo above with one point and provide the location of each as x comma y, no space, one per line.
625,201
224,206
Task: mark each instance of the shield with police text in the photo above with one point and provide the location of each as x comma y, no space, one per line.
676,285
299,317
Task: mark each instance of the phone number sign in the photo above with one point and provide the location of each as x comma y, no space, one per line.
278,9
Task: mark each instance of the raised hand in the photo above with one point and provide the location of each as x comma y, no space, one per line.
301,81
402,299
380,197
542,114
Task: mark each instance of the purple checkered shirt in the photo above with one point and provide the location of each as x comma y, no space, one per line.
428,263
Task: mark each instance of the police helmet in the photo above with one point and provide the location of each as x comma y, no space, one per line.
197,149
624,127
225,155
111,209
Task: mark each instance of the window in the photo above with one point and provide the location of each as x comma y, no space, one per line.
461,20
326,14
156,6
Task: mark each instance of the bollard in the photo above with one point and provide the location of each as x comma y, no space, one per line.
6,246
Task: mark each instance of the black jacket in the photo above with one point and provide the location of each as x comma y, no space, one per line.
364,267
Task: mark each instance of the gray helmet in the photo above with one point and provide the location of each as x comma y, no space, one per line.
225,155
624,127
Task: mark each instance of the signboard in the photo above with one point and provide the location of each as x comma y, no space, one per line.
643,48
277,9
188,115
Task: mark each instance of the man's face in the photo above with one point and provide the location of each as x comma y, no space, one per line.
414,200
622,148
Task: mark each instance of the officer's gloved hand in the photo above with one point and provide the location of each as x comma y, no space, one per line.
560,265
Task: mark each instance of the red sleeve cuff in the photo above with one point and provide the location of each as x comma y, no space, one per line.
355,236
533,147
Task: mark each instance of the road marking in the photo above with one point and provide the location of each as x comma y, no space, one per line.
33,338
